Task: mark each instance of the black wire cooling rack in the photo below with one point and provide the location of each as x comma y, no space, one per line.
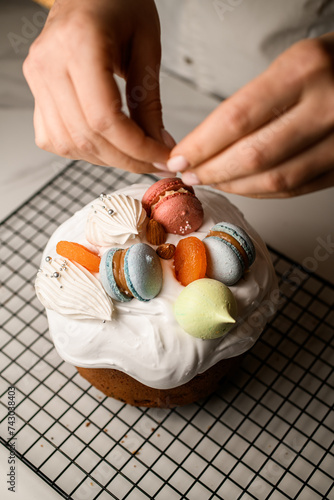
266,434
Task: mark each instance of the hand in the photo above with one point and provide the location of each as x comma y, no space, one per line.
70,70
274,137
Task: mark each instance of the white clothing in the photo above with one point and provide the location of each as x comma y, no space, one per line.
222,44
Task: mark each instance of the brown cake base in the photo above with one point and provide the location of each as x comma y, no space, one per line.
119,385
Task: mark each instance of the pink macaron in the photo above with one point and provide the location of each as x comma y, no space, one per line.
175,205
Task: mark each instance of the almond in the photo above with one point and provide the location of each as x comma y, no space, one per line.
166,251
155,233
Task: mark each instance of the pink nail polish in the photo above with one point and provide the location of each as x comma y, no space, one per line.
177,164
167,138
190,179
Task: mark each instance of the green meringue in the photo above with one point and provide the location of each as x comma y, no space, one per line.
206,309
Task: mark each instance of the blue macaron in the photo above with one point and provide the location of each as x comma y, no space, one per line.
108,279
230,252
142,272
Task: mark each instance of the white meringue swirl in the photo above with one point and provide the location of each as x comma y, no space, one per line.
115,219
71,290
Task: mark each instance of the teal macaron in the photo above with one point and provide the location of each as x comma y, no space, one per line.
230,252
107,277
141,273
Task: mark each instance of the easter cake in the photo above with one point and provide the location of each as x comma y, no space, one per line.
155,292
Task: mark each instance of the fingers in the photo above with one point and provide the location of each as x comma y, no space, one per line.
324,181
143,94
263,99
61,126
267,147
142,87
58,138
295,73
100,100
41,136
78,104
52,135
303,173
84,139
142,76
269,158
143,99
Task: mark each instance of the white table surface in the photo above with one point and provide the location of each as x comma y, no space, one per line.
290,226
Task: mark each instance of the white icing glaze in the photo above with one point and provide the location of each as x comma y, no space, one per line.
71,290
144,339
125,223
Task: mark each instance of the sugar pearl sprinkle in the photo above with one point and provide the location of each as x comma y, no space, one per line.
102,196
55,274
185,228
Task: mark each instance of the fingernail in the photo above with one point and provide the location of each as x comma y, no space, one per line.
167,138
160,166
177,164
190,179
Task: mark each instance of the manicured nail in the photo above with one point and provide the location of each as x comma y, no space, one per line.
167,138
190,179
160,166
177,164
